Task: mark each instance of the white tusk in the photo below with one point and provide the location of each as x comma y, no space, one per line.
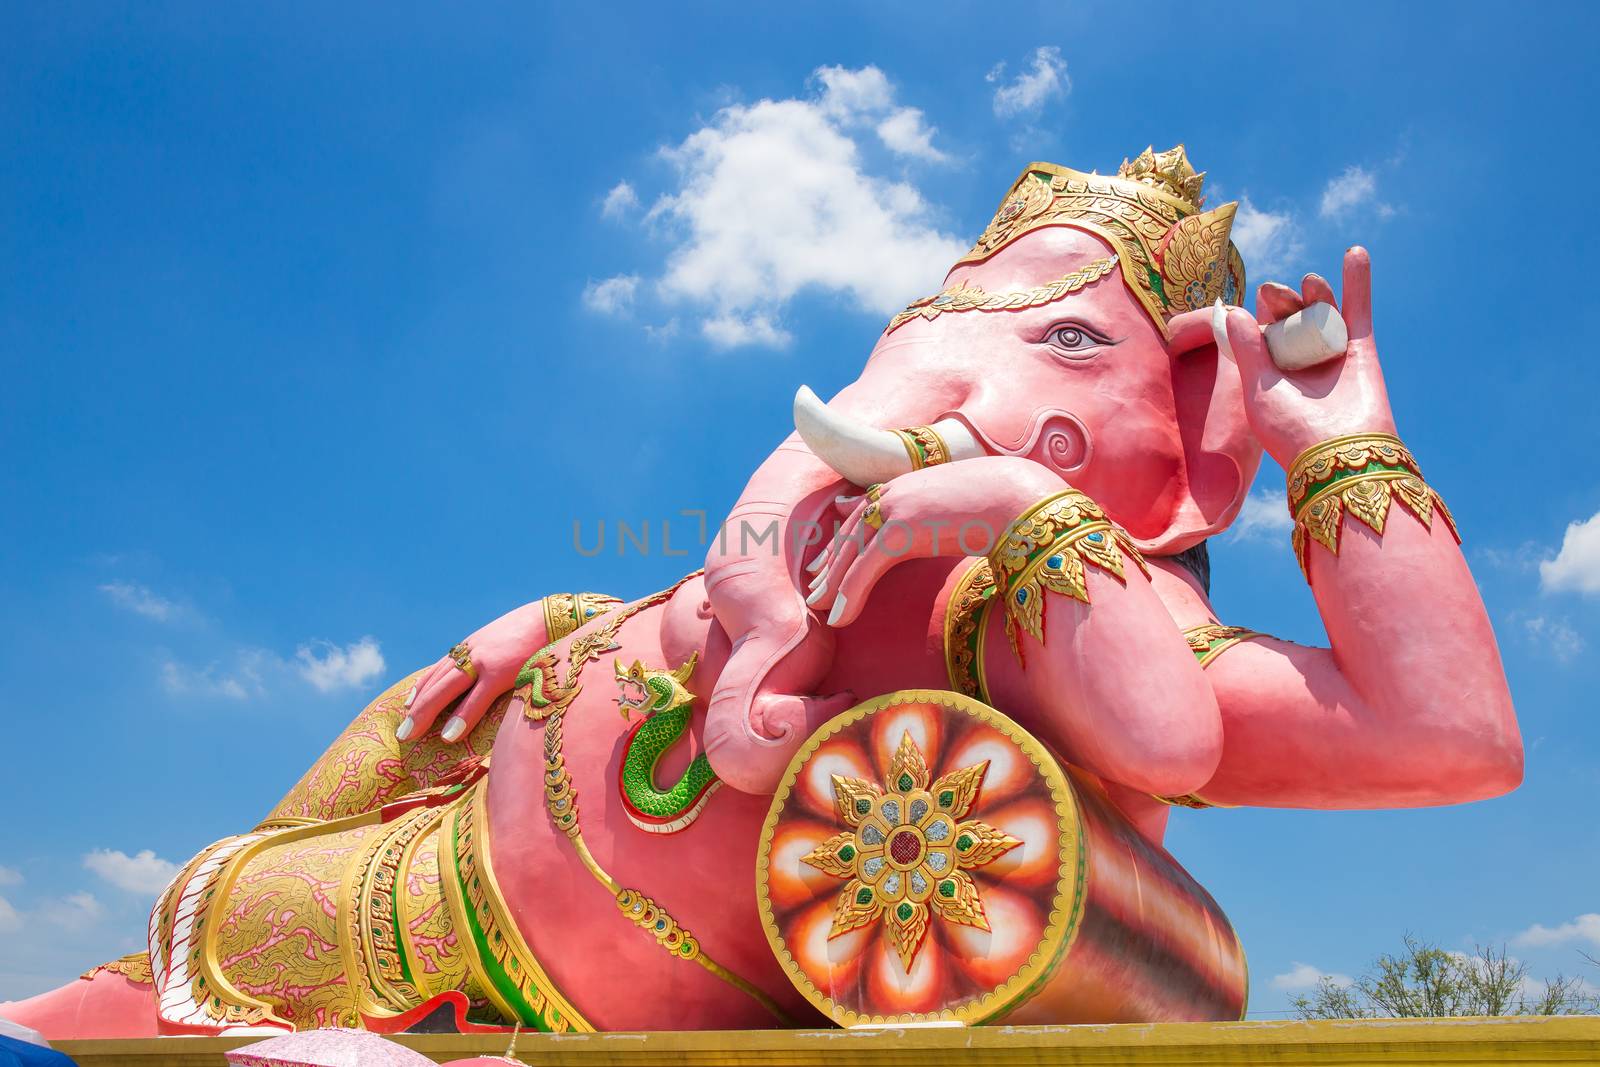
860,454
958,439
1313,335
864,455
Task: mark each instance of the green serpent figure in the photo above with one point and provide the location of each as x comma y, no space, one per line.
663,699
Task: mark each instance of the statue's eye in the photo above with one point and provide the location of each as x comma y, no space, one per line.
1074,338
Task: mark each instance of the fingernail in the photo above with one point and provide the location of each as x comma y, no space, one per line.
847,501
816,564
454,729
411,696
403,731
822,576
811,601
838,610
1219,328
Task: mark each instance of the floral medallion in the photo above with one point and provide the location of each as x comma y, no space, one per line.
906,853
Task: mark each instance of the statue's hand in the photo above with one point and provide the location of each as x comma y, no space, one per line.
956,509
496,653
1290,411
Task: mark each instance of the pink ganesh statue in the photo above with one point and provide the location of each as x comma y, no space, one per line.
905,749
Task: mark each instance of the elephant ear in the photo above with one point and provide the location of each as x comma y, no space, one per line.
1220,453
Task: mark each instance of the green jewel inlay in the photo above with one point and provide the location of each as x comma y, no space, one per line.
847,853
905,782
863,895
963,842
863,805
904,911
947,798
947,888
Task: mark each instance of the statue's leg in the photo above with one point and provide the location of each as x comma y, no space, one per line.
366,767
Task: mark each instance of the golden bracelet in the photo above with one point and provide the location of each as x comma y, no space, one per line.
1362,474
1046,549
924,445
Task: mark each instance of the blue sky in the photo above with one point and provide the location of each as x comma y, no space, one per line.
320,327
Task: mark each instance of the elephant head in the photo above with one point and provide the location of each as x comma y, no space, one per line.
1076,334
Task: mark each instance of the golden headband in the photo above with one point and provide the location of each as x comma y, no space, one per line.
1174,257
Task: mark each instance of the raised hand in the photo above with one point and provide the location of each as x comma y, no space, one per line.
1290,411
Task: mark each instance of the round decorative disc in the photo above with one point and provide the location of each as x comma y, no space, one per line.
922,860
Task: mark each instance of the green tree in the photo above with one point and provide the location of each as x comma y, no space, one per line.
1425,981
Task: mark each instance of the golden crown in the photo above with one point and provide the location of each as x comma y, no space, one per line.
1174,256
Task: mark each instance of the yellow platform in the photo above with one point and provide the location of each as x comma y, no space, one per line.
1396,1043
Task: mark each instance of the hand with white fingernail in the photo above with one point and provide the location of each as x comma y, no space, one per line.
947,510
467,679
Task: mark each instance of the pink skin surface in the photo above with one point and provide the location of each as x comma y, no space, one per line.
1085,388
1408,707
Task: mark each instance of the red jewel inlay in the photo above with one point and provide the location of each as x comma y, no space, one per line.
905,847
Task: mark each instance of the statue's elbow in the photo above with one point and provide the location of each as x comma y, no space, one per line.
1492,758
1503,766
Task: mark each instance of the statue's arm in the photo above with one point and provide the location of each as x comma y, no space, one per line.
1109,679
1409,705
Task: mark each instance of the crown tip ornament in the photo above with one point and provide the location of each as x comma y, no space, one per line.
1169,171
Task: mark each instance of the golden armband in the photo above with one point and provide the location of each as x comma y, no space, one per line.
1359,473
1046,549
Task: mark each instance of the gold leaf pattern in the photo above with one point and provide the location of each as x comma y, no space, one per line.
825,857
984,844
963,785
956,900
908,925
957,297
848,793
908,770
1194,262
1045,550
1362,474
859,904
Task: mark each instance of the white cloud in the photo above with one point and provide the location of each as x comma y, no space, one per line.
349,667
10,921
1269,241
1350,190
852,97
774,198
1576,568
1554,636
663,333
1029,91
904,133
1304,976
10,875
613,296
619,201
243,682
731,331
140,600
1583,928
1264,517
142,873
77,911
850,94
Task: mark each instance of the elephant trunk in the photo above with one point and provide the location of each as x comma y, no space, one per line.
764,706
756,717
